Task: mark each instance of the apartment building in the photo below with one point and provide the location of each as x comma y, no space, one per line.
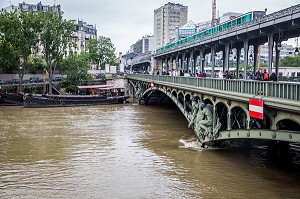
84,31
33,7
144,45
166,19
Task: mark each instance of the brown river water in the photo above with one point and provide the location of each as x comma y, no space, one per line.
132,151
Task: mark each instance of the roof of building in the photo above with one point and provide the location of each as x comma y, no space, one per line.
189,25
130,55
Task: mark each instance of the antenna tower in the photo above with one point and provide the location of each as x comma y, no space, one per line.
214,8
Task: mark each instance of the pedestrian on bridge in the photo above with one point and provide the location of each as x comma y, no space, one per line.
273,77
258,76
265,75
200,74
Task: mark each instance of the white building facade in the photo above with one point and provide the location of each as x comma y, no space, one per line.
144,45
166,19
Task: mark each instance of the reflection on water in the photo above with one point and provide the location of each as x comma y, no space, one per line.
131,151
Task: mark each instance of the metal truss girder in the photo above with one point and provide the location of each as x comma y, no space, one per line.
278,135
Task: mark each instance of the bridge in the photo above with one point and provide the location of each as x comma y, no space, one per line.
272,29
227,105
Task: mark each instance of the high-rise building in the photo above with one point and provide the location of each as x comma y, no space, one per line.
144,45
166,19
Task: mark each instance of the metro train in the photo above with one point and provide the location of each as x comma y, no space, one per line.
242,19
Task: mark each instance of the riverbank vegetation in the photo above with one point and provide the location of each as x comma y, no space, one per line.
43,41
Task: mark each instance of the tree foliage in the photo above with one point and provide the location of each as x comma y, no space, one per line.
19,36
76,68
55,37
102,51
290,61
9,58
22,33
36,64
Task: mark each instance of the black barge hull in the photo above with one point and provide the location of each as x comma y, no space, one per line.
63,101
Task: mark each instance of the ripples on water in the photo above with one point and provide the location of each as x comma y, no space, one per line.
129,151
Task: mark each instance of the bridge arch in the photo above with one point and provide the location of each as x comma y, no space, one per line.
288,124
188,101
208,101
230,113
174,93
221,110
181,98
238,118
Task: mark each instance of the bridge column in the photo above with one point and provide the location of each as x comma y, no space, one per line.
277,50
229,120
191,63
177,63
238,58
183,62
248,122
201,60
270,51
161,66
246,48
184,104
212,62
172,64
226,58
188,62
255,52
194,63
168,65
223,58
214,116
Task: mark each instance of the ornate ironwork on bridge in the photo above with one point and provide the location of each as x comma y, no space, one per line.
218,109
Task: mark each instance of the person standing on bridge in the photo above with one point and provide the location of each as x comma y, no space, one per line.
273,77
181,72
258,76
200,74
265,75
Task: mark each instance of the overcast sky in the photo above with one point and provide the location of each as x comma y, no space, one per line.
126,21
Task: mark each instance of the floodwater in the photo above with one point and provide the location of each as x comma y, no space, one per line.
132,151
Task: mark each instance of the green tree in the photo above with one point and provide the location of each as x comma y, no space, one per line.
36,64
9,58
76,68
55,38
102,51
290,61
20,29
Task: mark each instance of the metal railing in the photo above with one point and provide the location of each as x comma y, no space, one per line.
282,90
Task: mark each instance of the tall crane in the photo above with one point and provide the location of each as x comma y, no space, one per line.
214,9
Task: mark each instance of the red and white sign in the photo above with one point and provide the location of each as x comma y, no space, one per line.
256,108
152,84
